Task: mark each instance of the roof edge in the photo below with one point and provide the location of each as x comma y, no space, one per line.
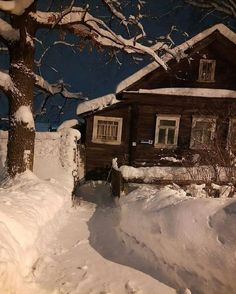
223,30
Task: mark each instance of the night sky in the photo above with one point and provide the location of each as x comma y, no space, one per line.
94,74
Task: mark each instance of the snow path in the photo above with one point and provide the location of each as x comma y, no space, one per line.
87,257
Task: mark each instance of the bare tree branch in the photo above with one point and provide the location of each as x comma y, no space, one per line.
83,24
111,4
227,7
57,88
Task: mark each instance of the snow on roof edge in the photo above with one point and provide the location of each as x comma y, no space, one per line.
193,92
96,104
223,29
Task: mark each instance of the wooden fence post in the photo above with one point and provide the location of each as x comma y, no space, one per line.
117,184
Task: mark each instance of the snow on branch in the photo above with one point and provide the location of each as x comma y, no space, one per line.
15,6
57,88
81,23
6,83
7,32
225,6
112,6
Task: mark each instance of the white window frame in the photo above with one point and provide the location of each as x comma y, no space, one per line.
200,73
211,119
160,117
229,139
106,118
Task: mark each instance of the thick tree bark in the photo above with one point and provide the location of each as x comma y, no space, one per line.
22,134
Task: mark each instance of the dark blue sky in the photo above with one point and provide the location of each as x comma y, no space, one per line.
94,74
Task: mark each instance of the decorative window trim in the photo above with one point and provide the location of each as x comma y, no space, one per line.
208,118
111,119
160,117
200,73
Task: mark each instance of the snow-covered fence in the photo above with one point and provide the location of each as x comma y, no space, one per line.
178,174
56,155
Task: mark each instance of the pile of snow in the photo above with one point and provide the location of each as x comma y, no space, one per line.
96,104
28,207
191,242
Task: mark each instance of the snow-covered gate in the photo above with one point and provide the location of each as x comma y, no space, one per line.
58,155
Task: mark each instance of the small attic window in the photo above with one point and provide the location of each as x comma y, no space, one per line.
207,71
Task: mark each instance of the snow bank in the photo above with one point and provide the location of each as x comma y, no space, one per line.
28,205
56,155
190,241
96,104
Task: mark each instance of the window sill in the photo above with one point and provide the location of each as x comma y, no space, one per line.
162,146
206,82
106,142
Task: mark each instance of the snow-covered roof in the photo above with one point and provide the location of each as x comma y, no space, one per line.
96,104
225,31
194,92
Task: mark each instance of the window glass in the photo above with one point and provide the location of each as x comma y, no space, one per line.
202,133
107,130
207,70
167,122
171,137
162,136
167,128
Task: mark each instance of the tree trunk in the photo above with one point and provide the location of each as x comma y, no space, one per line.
20,153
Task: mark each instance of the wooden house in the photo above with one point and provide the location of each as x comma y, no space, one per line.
183,116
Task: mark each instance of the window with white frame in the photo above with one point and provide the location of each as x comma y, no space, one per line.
207,70
167,130
203,132
232,134
107,130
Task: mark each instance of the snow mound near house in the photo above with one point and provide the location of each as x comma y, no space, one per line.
191,242
28,206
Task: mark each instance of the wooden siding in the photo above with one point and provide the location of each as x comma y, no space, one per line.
99,156
148,107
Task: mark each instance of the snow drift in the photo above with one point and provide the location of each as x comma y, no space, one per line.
28,206
191,241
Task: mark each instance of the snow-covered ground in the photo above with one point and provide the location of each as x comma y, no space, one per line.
28,210
190,242
154,240
88,257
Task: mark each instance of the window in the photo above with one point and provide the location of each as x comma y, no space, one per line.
107,130
203,131
167,129
207,70
232,134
